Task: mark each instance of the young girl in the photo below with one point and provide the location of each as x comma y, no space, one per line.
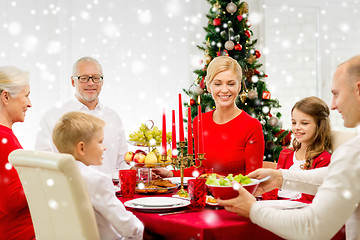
312,141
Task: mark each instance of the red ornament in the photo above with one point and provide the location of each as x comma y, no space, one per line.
247,33
217,22
266,95
192,102
239,17
256,71
257,53
222,53
202,83
286,140
238,47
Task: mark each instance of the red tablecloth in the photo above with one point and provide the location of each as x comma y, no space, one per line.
211,223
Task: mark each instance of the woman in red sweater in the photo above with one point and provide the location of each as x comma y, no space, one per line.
15,219
233,140
312,141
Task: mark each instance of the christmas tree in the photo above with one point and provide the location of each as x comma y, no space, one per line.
228,33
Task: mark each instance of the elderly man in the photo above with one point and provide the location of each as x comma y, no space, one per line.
87,79
337,186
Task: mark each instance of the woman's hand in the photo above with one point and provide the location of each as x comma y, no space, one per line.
241,204
275,181
162,172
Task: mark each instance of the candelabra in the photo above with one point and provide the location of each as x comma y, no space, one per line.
180,160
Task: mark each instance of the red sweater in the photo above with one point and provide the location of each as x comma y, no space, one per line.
15,219
234,147
286,161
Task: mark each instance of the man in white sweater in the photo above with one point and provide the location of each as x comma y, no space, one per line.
87,79
337,186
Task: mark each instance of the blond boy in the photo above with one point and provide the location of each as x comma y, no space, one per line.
81,135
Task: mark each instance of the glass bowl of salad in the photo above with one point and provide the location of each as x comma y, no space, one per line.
227,188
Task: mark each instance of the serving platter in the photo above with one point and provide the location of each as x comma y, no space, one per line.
158,190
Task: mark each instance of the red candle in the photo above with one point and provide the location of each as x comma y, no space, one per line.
181,121
200,129
173,137
163,142
190,141
200,142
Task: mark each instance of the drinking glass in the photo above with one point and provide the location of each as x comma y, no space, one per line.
197,193
127,182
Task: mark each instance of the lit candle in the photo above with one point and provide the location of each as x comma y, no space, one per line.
163,142
190,141
173,137
181,121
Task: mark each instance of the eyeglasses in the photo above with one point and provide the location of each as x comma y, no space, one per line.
85,78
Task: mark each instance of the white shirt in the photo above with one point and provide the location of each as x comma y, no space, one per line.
336,200
288,193
113,221
114,134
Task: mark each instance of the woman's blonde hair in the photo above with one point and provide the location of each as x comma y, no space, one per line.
321,141
221,64
74,127
13,79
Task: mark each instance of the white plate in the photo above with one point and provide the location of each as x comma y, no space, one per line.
282,204
156,204
177,180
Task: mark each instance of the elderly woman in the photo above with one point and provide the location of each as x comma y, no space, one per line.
15,219
233,140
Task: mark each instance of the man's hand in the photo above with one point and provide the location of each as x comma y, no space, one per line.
241,204
275,181
162,172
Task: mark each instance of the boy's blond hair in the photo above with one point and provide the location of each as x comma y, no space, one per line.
74,127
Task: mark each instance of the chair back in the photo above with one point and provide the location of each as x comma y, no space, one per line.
271,165
340,137
58,200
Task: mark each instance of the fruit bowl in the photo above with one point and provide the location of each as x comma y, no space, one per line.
228,192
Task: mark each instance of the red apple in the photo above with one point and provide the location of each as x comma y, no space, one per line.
140,151
129,156
139,157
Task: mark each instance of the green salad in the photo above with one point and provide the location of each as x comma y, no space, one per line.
212,180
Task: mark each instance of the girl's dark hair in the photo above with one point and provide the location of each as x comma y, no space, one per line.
321,141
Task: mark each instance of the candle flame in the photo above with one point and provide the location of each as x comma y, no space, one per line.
199,100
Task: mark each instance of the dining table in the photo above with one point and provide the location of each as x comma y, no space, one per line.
213,222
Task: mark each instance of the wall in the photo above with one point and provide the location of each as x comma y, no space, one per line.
148,50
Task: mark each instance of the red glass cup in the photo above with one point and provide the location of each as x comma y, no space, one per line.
197,192
127,182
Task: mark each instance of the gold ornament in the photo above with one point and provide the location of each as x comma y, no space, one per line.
207,58
251,59
244,8
243,96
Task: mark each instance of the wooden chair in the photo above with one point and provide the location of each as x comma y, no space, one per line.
267,164
59,204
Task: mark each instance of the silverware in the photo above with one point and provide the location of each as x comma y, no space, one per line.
171,213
